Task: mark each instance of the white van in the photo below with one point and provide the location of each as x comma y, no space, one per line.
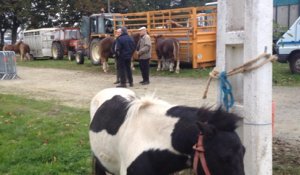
288,47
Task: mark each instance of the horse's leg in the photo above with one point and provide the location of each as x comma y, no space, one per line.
27,56
177,66
158,64
98,168
164,64
171,66
22,56
104,64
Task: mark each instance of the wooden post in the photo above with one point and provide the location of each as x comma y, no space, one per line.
244,31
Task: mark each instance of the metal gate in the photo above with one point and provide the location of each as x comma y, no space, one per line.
8,69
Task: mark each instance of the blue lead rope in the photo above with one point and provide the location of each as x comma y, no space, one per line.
226,91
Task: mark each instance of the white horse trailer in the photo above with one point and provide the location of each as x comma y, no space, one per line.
40,41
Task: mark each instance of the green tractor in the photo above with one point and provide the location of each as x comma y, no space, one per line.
93,29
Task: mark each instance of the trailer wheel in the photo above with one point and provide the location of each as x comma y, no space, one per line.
79,57
94,51
57,51
294,63
71,55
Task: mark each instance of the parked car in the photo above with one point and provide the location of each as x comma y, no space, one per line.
288,47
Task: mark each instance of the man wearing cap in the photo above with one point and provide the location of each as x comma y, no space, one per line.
125,48
144,54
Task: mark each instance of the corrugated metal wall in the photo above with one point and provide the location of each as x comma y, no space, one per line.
286,12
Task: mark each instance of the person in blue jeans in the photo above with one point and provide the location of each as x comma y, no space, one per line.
125,48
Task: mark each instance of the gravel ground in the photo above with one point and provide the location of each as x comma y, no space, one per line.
76,89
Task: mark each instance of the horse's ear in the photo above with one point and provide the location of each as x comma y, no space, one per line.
206,129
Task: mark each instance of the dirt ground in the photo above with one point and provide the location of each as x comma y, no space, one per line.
76,88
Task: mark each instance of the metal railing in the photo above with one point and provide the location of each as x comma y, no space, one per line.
8,69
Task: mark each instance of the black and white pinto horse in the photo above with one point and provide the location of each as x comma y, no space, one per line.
130,135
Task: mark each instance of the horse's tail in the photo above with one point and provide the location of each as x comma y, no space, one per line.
176,49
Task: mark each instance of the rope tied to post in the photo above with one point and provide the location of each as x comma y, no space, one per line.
225,85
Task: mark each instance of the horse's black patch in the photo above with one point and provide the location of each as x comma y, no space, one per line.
156,162
110,115
186,124
98,168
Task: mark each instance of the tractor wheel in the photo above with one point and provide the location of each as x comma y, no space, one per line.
95,51
79,57
294,63
57,51
71,55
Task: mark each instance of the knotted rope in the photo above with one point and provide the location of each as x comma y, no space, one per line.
225,85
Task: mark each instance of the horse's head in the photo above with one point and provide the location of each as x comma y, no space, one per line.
18,43
136,37
224,151
158,37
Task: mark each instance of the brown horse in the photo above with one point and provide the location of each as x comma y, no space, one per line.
19,48
167,51
11,47
106,49
105,46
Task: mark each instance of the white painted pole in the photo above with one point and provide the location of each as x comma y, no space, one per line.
244,30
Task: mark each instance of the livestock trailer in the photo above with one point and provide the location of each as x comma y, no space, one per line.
52,42
194,27
40,41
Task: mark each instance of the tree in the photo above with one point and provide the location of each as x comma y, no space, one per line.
4,25
16,12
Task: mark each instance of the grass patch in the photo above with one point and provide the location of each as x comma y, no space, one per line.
282,75
39,137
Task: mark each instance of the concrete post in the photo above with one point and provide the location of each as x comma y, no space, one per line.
244,31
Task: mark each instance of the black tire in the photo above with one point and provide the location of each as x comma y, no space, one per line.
71,55
94,51
79,57
294,63
57,51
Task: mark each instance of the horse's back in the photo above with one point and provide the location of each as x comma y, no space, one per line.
107,94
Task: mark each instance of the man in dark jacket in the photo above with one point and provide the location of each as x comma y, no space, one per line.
114,51
125,47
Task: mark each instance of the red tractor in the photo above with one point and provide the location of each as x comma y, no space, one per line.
65,43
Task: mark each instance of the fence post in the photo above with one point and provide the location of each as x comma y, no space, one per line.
244,31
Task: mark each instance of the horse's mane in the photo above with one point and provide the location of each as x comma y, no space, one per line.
221,119
144,102
18,43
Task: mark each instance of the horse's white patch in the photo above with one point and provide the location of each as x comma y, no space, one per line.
146,128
